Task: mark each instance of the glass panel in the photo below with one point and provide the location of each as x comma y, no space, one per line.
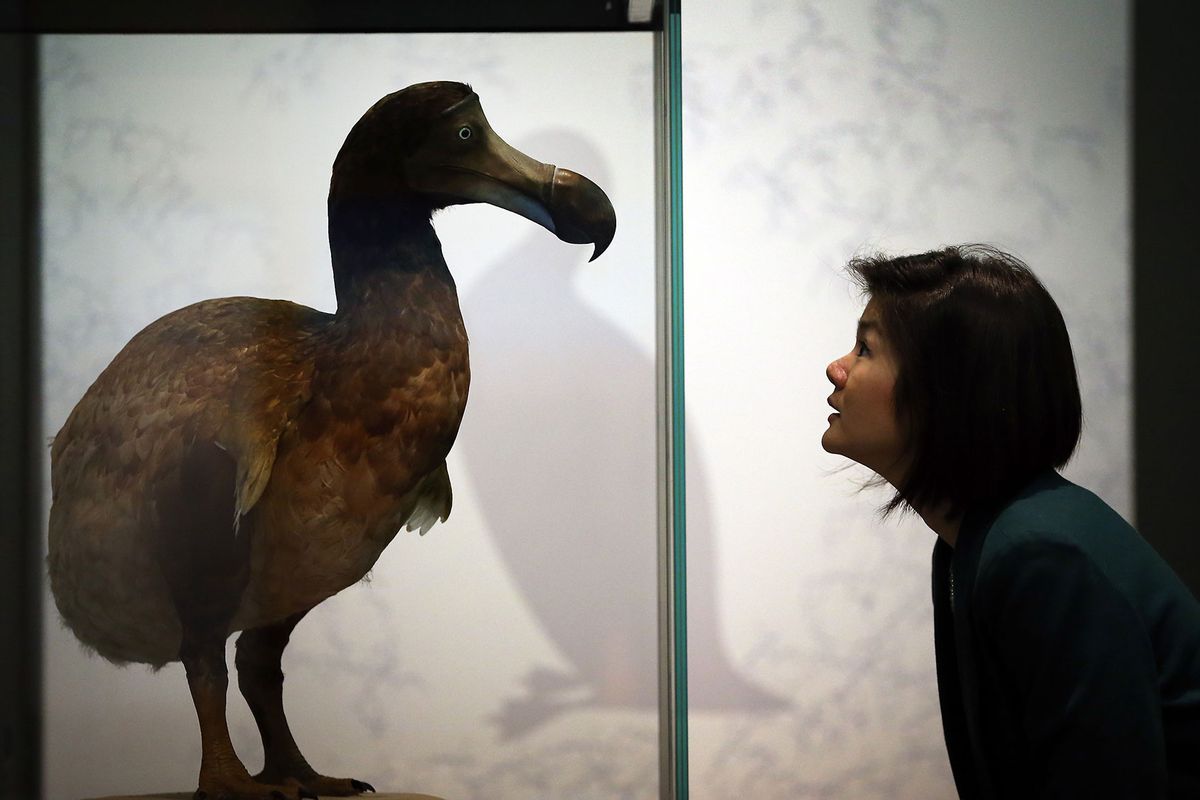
819,131
510,652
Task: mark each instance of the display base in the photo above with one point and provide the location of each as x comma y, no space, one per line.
188,796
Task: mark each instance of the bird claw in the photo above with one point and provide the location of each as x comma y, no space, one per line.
362,786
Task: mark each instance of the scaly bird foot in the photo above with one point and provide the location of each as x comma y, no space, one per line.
323,785
224,787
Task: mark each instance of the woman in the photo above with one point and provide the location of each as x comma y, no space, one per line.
1068,652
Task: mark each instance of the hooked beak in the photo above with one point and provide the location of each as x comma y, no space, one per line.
489,170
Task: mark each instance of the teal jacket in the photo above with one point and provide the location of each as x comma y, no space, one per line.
1068,654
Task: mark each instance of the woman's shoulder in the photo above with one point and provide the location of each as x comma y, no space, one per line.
1056,521
1053,510
1057,551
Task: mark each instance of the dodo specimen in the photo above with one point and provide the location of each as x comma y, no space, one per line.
241,460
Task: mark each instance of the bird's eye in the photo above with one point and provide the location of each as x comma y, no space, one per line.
464,132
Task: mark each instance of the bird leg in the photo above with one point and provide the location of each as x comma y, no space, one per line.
222,774
206,567
260,677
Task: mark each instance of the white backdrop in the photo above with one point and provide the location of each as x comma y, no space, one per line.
815,131
509,653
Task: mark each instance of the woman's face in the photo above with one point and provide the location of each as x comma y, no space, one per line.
865,428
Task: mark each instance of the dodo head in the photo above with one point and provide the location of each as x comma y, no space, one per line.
429,146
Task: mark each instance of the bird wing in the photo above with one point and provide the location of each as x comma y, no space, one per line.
234,371
271,383
266,396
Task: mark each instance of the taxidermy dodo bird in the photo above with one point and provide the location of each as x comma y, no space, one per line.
241,460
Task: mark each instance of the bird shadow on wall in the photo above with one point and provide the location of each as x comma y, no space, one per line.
563,461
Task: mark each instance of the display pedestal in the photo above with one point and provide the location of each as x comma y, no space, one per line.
188,796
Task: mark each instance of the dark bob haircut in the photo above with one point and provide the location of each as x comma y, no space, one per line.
986,386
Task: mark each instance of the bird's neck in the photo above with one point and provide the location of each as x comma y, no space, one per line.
378,248
394,294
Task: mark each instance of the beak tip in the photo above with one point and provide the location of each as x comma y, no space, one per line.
581,212
601,245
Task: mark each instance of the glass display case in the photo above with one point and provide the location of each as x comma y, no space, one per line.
532,644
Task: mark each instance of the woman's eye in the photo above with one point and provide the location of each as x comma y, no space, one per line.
862,349
464,132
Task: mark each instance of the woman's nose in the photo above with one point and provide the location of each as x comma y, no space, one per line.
836,373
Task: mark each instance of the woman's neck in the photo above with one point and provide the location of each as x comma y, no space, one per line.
938,517
941,523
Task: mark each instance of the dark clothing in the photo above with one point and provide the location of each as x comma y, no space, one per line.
1068,654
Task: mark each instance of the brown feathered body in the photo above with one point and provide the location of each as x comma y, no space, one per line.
241,460
339,426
